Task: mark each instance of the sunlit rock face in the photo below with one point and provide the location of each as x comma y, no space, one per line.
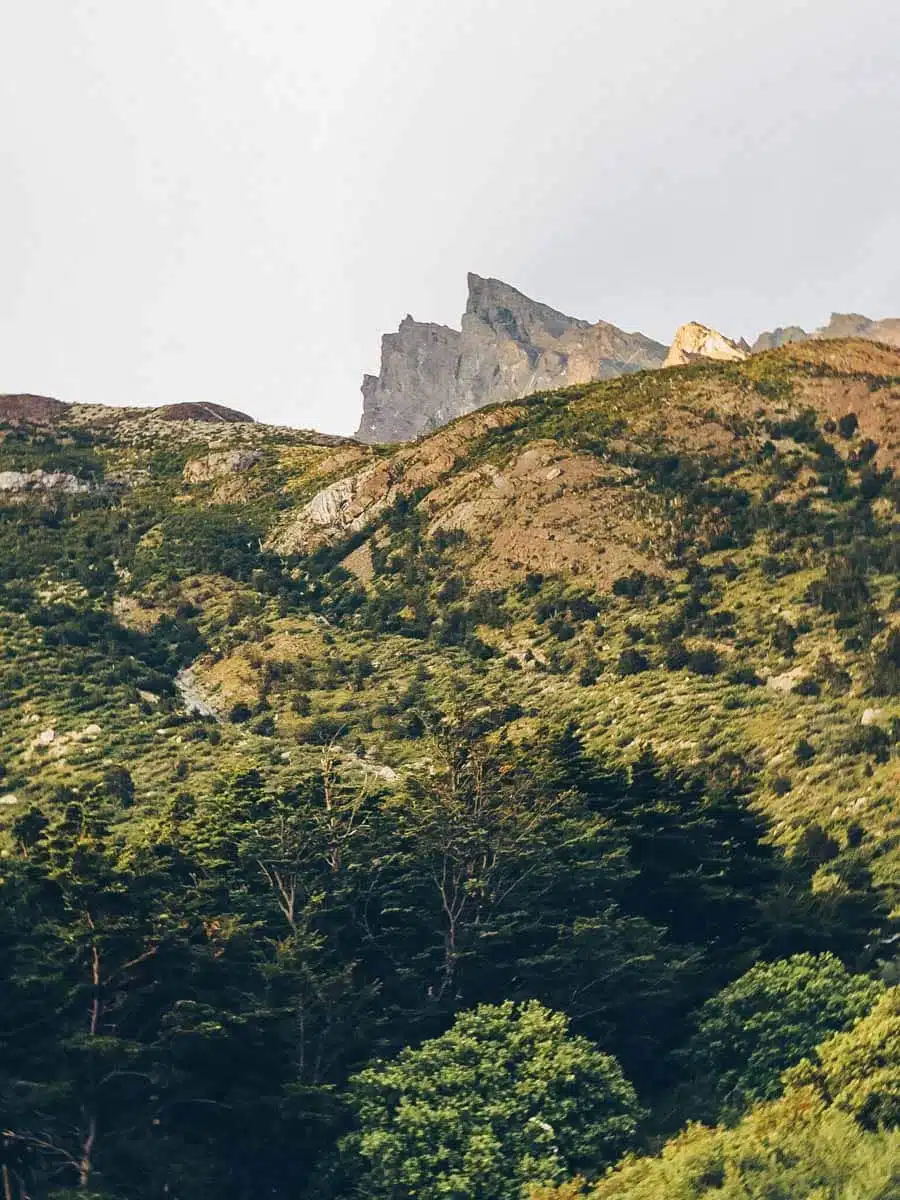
694,341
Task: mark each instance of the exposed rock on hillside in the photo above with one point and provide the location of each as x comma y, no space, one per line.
695,341
351,503
218,464
549,507
508,346
20,484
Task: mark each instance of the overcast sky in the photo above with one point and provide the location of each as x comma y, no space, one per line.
231,200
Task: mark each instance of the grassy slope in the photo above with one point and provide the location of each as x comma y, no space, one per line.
713,479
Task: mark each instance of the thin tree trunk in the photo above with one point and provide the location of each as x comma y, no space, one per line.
84,1167
87,1148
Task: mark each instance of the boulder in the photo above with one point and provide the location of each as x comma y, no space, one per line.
872,716
787,681
218,464
41,482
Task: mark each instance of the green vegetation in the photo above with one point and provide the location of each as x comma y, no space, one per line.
504,1098
766,1021
791,1150
476,842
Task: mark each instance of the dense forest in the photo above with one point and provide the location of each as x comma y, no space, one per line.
412,879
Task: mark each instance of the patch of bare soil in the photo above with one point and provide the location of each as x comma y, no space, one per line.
549,510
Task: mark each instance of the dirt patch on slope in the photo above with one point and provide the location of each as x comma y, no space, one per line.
549,510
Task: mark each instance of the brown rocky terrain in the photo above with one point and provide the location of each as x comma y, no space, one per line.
545,505
44,410
38,411
200,412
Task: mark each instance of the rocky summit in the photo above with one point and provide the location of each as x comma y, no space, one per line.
508,346
695,341
841,325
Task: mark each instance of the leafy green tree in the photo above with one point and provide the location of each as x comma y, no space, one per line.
81,1084
766,1021
858,1071
793,1149
506,1096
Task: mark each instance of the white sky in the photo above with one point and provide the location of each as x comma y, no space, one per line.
231,200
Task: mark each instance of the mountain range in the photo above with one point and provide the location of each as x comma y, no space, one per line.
510,346
448,817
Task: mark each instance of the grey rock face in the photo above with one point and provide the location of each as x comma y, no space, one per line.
841,325
416,389
507,347
774,338
844,325
218,464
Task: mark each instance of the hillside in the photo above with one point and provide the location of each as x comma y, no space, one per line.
627,651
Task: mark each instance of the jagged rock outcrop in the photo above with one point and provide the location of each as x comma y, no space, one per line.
416,390
508,346
694,341
854,325
841,325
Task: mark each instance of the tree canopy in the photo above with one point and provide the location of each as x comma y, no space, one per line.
506,1096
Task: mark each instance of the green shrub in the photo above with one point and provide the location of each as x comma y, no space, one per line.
506,1096
766,1021
804,751
859,1070
848,425
704,661
632,662
886,668
793,1149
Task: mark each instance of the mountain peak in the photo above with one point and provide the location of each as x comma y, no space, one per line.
509,345
695,341
508,311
